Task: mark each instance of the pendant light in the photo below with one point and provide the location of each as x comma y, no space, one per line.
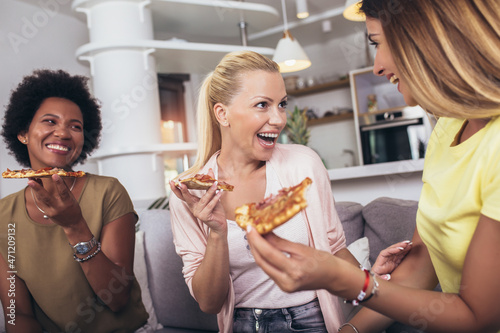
289,55
351,11
302,11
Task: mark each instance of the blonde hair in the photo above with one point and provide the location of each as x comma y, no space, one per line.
221,86
447,51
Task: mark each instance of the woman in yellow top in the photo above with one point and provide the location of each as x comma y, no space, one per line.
444,56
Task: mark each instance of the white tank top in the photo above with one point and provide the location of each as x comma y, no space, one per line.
252,287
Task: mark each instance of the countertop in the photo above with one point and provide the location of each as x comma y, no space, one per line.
379,169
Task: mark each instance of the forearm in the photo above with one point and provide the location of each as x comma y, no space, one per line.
415,271
110,281
424,309
211,281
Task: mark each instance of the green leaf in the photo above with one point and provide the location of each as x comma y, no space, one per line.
296,126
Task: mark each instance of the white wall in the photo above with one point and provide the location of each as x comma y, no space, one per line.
35,36
38,35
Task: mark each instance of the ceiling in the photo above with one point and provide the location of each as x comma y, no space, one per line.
307,31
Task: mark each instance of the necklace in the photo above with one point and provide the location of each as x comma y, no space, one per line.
45,216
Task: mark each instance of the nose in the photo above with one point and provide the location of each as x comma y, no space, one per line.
62,132
277,117
378,69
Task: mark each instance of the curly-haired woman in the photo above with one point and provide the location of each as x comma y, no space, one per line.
66,244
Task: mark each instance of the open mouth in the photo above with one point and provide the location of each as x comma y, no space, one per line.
268,139
394,79
58,147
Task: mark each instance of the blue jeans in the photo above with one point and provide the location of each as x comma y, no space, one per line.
302,318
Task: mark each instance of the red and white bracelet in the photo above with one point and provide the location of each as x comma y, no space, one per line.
362,292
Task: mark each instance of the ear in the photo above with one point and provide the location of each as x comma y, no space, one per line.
220,111
22,137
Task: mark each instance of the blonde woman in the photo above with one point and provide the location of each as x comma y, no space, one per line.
443,55
242,111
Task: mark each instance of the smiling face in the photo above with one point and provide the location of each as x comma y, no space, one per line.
55,136
384,62
256,116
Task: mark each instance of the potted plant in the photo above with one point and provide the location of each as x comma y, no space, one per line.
296,126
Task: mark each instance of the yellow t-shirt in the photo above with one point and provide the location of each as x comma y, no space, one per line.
461,182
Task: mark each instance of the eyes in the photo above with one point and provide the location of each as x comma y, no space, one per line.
372,41
265,104
74,125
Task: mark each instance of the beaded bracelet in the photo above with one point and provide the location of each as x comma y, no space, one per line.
374,289
362,292
348,324
90,256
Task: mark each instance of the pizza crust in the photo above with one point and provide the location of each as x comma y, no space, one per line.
274,210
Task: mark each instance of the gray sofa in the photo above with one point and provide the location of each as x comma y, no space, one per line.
384,221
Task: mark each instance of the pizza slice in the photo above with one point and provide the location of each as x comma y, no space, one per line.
204,182
40,173
274,210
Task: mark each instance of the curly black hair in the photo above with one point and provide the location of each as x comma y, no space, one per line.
26,99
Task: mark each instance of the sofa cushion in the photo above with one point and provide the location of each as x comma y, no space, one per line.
174,305
141,274
388,221
350,214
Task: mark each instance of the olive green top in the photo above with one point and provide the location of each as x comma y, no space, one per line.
64,300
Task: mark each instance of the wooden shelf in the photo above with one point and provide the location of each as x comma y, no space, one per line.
373,113
329,119
320,88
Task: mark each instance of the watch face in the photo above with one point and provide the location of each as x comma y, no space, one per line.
82,248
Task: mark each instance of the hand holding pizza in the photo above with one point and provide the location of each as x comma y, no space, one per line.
206,208
60,205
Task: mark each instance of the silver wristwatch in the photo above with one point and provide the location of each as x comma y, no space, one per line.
84,247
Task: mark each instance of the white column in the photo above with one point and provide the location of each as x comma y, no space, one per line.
124,79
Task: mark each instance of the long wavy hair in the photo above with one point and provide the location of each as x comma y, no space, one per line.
447,51
221,86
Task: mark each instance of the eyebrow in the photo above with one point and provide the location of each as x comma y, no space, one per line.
270,99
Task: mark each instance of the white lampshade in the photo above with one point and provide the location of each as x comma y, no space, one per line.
289,55
351,11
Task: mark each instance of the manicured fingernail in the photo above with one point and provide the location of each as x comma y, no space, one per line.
386,277
407,241
249,228
400,248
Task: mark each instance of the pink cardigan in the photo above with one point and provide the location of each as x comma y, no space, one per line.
292,163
